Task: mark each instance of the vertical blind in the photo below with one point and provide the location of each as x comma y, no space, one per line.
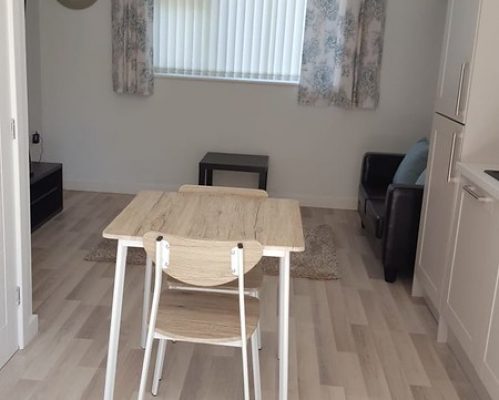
234,39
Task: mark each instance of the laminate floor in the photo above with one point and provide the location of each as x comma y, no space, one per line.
356,338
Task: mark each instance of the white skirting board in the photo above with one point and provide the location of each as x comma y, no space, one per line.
467,367
30,330
342,203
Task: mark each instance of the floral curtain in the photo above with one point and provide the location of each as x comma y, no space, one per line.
342,52
132,22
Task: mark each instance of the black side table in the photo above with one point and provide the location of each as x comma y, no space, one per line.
45,192
233,162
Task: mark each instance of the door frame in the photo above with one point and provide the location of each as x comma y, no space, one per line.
27,322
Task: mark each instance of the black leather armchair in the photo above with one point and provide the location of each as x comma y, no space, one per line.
389,213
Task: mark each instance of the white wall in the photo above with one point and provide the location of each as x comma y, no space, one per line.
119,143
33,65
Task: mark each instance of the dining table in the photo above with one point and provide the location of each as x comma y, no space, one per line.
275,223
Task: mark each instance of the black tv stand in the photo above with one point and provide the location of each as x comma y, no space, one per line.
46,192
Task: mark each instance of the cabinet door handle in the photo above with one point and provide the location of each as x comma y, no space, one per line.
460,88
452,157
471,191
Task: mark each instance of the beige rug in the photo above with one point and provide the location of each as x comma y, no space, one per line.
318,261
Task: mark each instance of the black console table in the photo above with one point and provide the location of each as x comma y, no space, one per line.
45,192
233,162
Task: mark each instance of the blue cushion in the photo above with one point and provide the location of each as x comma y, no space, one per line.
413,164
422,178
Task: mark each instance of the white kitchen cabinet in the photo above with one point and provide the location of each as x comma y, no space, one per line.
457,263
489,368
456,64
438,206
473,269
471,306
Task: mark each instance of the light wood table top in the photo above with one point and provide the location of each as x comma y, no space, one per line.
275,223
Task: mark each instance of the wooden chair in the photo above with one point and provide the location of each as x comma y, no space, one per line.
253,280
202,317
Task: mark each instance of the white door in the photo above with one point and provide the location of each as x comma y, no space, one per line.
462,22
438,206
8,290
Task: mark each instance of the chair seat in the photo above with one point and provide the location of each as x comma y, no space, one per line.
375,215
252,280
209,318
369,193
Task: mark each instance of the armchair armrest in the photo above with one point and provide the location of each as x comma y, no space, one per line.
403,210
378,169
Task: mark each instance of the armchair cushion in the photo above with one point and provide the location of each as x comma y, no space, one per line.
413,164
422,178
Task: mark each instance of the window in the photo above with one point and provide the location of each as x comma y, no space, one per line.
257,40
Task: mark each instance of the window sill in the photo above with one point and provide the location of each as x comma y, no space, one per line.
161,75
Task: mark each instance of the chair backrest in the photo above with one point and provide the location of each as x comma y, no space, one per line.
202,262
223,190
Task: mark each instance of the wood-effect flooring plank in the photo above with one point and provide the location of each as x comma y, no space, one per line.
357,338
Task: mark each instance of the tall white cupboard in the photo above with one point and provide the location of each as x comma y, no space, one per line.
457,262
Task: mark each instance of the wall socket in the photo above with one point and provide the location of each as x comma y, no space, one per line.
35,138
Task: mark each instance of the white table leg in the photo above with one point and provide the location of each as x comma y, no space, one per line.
147,300
114,333
279,309
284,283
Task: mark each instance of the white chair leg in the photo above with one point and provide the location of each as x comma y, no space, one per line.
256,366
258,328
147,362
147,301
158,369
259,336
244,352
256,293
